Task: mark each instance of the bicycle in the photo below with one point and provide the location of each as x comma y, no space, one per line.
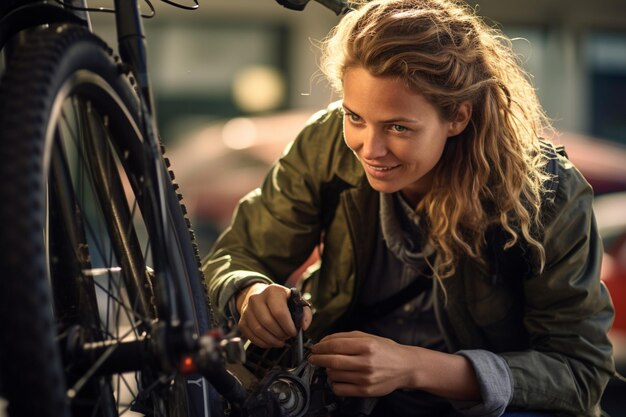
103,308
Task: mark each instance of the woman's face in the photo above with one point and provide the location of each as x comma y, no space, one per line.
397,135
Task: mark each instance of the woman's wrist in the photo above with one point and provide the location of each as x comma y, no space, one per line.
446,375
242,295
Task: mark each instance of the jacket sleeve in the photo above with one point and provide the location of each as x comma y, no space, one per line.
274,228
568,311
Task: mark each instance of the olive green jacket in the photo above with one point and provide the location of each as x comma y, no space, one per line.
550,328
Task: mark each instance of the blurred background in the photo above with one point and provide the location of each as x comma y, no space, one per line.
236,79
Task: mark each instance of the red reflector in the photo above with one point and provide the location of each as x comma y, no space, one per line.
187,365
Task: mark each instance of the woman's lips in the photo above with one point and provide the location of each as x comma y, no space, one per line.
380,171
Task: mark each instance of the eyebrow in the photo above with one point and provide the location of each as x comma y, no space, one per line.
393,120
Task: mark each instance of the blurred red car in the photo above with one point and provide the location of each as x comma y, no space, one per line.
610,210
219,164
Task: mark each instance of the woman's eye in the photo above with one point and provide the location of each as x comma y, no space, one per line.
398,128
353,117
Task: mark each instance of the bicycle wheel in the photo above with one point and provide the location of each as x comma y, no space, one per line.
81,249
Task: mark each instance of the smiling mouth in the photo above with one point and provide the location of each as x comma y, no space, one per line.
382,169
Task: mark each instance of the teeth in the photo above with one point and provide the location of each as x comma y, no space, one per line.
379,168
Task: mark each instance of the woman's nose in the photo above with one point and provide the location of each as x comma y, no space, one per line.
373,145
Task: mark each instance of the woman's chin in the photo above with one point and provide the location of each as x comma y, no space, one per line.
382,186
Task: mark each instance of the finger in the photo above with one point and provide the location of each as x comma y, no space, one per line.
255,340
342,346
307,318
339,362
349,377
347,335
277,304
351,390
262,313
254,331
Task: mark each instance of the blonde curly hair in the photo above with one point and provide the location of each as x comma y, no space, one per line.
493,173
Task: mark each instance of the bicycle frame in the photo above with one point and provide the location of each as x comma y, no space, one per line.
132,50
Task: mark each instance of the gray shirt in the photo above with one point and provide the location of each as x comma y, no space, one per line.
398,260
400,257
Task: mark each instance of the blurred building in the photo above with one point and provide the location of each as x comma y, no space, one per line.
231,58
234,59
241,57
576,51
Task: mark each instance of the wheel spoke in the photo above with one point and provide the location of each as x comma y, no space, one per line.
112,298
132,392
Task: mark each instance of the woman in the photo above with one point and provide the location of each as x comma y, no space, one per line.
460,265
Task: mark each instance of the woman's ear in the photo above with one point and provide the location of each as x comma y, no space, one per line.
462,118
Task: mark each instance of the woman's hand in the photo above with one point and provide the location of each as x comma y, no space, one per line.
264,315
363,365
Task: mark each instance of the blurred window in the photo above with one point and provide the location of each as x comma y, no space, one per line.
606,62
197,70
